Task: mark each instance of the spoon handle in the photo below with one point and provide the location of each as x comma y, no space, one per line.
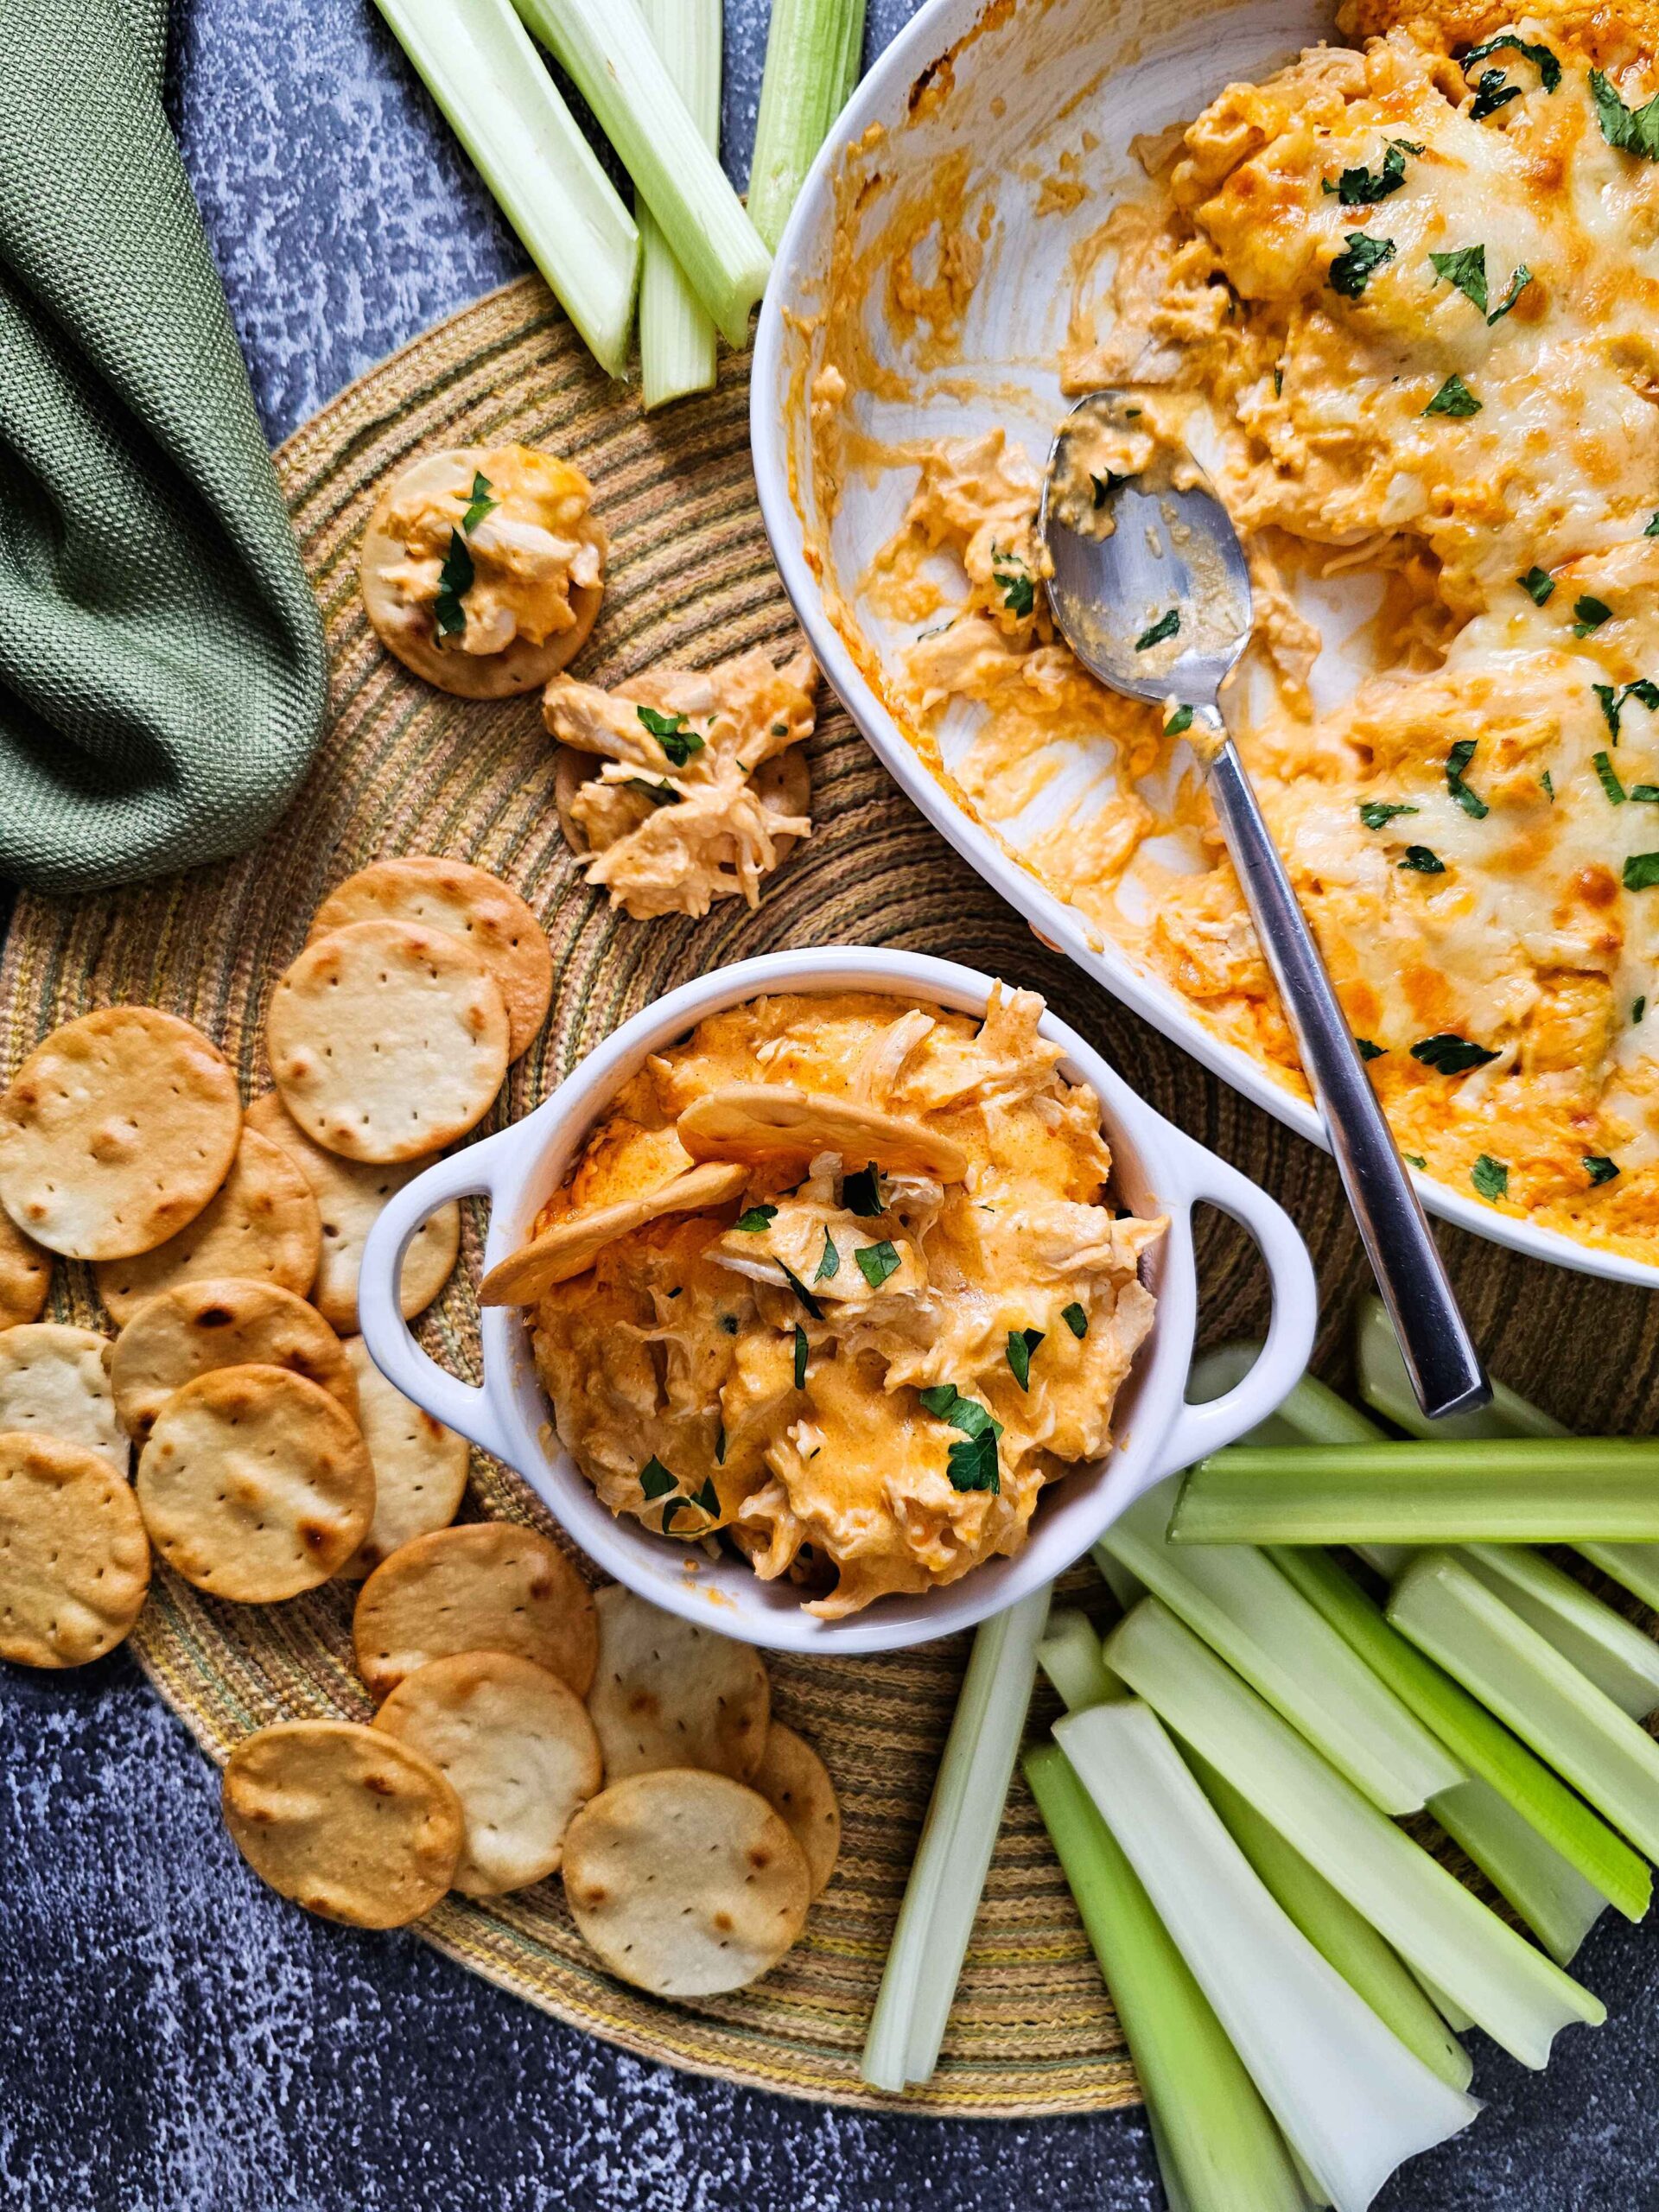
1439,1354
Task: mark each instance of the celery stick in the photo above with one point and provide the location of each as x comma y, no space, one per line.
1634,1566
677,336
1586,1846
1223,2148
812,52
947,1876
481,69
1452,1616
1549,1892
1453,2015
1124,1587
1517,1995
604,49
1313,1413
1237,1599
1385,1385
1070,1655
1352,2100
1337,1932
1510,1489
1605,1648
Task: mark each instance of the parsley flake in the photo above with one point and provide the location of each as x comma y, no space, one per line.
800,1357
756,1219
729,1322
1351,272
876,1263
1360,188
1652,530
1492,92
1641,871
659,794
1021,1344
1368,1051
1633,130
1165,626
861,1193
1490,1177
970,1465
1453,397
1613,698
1548,68
673,732
829,1265
1547,785
1013,579
480,502
1537,584
1590,613
1599,1168
1076,1319
1610,783
1466,269
707,1500
1449,1054
802,1293
1180,722
655,1480
1106,485
1647,792
1377,813
455,581
1638,1007
1421,862
1413,1160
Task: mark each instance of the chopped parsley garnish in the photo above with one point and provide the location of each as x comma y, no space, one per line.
1652,530
1466,269
1021,1344
1360,188
1421,862
1647,792
876,1263
1599,1168
1351,272
659,794
1590,613
1106,485
1634,130
1449,1054
1453,397
1279,384
1537,584
1368,1051
1076,1319
830,1263
1610,783
673,732
1492,92
672,1511
707,1500
781,729
729,1322
1456,761
1547,785
861,1193
1642,871
800,1357
1548,68
802,1293
1377,813
1613,697
970,1465
655,1480
756,1219
1165,626
1014,580
1638,1007
1180,722
719,1445
1490,1177
455,581
479,505
1414,1159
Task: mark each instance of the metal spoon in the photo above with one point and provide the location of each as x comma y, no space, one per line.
1150,590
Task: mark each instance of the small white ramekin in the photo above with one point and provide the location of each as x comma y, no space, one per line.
1157,1169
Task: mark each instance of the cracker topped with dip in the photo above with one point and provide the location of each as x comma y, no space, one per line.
862,1359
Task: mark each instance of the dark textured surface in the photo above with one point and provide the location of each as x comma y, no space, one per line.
175,2039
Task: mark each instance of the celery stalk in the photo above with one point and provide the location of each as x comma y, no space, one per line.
1614,1763
1517,1995
1238,1600
1510,1489
1385,1385
677,336
1352,2100
1126,1588
1635,1567
1453,2015
486,77
1070,1655
947,1876
1550,1894
1313,1413
1585,1847
1222,2149
1337,1931
813,48
1605,1648
604,49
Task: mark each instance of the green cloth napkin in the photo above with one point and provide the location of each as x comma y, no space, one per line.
161,669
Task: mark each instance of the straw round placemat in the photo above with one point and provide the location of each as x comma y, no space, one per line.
405,769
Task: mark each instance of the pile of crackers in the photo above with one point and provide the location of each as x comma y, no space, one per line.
272,1456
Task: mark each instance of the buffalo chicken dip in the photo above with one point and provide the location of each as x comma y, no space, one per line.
841,1279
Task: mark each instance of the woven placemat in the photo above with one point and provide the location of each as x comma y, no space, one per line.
405,769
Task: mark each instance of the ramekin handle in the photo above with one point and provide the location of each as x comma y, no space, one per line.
1283,1361
391,1344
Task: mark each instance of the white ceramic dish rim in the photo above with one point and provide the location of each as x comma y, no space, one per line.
880,97
1158,1168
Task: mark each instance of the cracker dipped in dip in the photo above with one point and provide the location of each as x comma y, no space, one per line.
841,1278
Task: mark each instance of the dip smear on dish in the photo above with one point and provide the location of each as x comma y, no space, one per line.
1402,300
917,1309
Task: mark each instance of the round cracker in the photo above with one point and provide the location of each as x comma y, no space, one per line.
262,1224
116,1131
515,1745
387,1040
487,1585
350,1195
410,632
795,1783
74,1561
223,1322
685,1883
467,903
348,1821
255,1484
25,1277
669,1692
420,1466
55,1381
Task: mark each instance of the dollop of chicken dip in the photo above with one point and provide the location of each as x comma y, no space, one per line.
863,1372
1402,298
681,784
